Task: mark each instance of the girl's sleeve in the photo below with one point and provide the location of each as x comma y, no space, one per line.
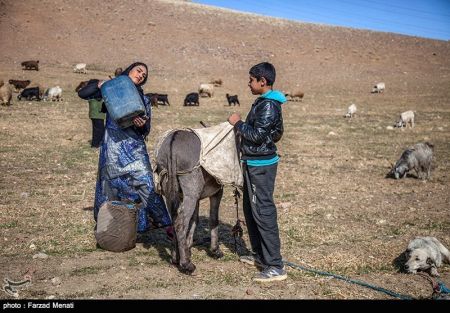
90,91
145,130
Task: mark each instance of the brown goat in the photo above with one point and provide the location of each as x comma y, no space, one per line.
296,95
19,84
118,71
216,82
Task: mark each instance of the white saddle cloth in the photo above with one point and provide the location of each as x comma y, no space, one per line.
219,155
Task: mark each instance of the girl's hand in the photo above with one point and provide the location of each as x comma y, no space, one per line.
100,83
139,121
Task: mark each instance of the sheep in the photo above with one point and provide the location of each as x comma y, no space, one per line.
295,95
405,118
5,94
206,90
19,84
378,88
232,100
417,157
216,82
53,94
351,111
30,65
80,68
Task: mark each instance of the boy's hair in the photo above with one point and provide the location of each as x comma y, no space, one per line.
264,69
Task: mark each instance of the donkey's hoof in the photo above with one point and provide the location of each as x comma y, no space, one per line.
187,268
216,254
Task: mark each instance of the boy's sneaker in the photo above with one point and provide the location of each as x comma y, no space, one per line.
251,260
270,274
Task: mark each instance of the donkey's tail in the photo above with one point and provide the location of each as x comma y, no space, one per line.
172,184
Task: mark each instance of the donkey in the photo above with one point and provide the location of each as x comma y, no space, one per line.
184,183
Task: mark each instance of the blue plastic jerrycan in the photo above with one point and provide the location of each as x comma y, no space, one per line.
122,100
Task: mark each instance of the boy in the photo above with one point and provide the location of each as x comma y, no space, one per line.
262,128
98,121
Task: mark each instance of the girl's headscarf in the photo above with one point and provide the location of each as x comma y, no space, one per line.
127,71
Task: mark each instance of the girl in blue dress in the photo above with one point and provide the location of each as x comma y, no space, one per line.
124,170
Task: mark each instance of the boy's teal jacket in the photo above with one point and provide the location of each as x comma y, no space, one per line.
275,95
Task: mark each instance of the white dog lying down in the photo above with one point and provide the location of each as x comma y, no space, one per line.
426,253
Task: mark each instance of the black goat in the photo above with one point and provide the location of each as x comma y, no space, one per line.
30,93
191,99
232,100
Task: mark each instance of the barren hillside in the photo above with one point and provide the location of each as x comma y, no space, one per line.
185,43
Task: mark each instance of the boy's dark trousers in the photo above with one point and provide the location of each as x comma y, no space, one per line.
261,214
98,130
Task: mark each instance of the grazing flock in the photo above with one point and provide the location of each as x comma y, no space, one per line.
25,91
417,157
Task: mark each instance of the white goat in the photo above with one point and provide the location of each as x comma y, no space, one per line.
53,94
206,90
378,88
80,68
351,111
405,118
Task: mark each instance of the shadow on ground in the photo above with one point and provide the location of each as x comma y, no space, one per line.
158,239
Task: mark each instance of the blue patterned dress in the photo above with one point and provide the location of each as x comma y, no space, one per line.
125,174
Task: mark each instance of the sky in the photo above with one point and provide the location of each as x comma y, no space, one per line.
422,18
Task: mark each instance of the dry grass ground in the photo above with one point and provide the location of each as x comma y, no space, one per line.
337,211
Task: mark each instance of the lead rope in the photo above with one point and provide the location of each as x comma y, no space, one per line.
440,291
237,230
349,280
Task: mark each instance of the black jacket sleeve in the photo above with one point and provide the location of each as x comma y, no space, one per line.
90,91
265,119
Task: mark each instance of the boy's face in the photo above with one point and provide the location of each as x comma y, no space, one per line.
256,87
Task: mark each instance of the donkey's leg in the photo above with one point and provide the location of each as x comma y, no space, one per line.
191,185
175,253
192,227
182,223
214,204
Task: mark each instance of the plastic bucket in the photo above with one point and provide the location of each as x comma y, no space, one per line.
122,100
